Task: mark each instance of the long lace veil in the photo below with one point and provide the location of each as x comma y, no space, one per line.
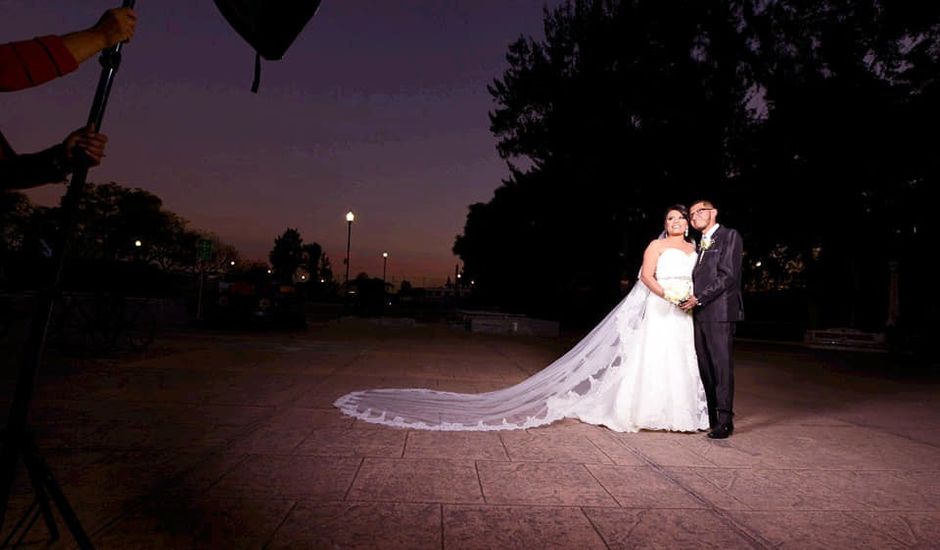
536,401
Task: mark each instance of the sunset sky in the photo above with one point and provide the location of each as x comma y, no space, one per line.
378,107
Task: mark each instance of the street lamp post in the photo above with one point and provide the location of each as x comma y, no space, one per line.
349,221
384,268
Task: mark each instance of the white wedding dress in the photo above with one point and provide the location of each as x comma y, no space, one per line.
636,370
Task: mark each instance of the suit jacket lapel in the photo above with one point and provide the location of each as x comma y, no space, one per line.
701,253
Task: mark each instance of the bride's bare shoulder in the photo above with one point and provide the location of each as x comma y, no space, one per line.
655,244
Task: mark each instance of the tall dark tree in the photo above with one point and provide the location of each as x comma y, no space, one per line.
623,110
222,256
803,119
174,248
311,254
849,92
111,220
287,254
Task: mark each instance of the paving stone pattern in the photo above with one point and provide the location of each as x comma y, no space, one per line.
230,440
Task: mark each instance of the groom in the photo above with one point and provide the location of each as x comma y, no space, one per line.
717,306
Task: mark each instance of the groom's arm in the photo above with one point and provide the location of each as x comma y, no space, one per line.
729,270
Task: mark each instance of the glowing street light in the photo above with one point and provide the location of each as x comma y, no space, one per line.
384,268
138,244
350,217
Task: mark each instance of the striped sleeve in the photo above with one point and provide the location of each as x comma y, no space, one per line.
33,62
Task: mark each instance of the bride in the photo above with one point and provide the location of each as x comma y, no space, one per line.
635,370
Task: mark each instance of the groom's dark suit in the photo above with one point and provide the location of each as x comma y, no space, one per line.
717,282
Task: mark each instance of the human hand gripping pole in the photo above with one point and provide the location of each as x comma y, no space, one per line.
16,438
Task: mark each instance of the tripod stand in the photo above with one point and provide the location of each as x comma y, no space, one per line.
17,439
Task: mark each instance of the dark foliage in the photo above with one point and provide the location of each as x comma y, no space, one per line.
813,125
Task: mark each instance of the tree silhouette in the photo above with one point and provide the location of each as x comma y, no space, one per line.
311,254
620,112
802,119
850,95
287,254
15,211
111,220
222,256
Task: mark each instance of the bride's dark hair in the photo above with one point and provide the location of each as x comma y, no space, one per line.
680,208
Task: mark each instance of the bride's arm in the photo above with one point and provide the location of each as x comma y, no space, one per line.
648,272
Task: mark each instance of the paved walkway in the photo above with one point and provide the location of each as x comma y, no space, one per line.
224,440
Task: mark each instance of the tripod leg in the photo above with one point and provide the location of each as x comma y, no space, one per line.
8,460
19,525
33,517
44,474
33,469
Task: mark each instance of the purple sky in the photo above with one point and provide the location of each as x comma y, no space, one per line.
379,107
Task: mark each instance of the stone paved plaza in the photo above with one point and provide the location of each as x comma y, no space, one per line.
229,440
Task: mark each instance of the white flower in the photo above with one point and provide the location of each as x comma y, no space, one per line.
676,290
707,243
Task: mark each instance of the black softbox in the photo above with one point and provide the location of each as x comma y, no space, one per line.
270,26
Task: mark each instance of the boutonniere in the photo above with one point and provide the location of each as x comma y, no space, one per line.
706,243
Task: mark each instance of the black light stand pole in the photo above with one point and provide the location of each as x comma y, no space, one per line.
17,440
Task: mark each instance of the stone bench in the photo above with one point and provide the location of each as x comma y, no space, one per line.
488,322
846,339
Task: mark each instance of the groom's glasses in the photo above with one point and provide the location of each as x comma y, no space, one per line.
699,211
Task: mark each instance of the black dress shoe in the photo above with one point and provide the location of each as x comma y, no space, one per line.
722,431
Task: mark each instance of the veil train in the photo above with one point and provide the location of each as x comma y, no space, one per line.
540,399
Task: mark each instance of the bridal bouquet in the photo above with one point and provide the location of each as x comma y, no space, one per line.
676,290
